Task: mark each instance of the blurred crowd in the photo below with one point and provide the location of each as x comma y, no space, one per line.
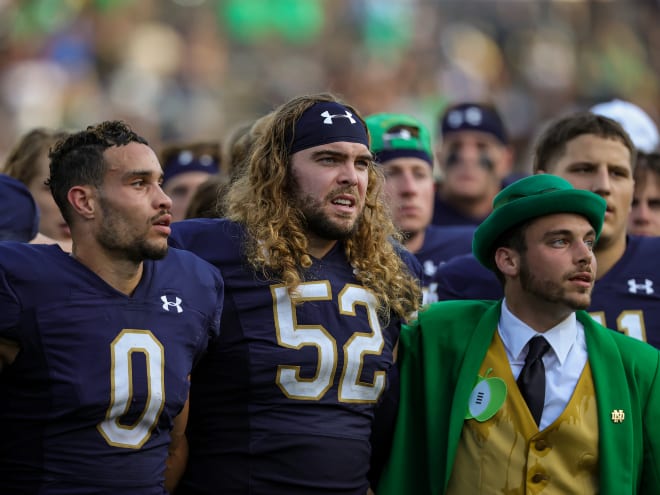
198,69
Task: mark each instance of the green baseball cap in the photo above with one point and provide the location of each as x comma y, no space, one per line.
396,135
531,197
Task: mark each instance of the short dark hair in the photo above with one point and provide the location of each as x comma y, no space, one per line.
513,238
78,159
647,161
552,143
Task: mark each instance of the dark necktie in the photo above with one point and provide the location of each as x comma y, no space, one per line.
531,380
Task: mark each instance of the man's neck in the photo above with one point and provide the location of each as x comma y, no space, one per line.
538,313
122,275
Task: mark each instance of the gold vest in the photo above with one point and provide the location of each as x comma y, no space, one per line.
507,454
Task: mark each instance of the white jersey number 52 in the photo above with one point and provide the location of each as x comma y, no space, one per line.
363,342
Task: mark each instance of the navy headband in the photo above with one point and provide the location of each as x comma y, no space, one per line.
186,161
326,122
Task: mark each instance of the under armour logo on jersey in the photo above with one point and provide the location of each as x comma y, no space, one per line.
634,287
169,304
430,268
328,117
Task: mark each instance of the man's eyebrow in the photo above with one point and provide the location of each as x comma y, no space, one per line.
145,174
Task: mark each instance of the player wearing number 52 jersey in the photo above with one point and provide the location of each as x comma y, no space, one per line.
315,290
96,346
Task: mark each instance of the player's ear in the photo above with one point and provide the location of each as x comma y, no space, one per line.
82,201
507,261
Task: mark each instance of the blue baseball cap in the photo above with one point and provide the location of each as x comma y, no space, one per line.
473,117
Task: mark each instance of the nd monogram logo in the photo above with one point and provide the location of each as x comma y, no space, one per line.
169,304
618,416
328,117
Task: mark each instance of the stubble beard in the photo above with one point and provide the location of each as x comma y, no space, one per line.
549,290
115,236
317,222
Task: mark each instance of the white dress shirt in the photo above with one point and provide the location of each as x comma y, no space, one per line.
563,363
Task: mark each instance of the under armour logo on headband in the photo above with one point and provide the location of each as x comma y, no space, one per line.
328,117
337,124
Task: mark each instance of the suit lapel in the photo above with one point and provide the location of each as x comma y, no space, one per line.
615,434
476,350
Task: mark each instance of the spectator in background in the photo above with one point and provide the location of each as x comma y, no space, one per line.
644,216
28,162
402,147
474,157
208,199
239,145
185,167
19,215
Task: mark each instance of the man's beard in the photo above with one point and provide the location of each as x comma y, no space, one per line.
317,222
548,290
115,236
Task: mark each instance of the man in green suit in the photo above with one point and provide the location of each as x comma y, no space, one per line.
528,394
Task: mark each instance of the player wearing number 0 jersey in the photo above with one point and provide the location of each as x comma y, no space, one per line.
315,290
90,399
97,346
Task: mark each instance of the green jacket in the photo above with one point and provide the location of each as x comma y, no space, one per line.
438,375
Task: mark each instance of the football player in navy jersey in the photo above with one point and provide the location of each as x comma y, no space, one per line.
97,346
315,290
475,159
594,153
402,147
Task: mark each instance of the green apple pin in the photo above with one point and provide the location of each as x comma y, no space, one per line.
486,398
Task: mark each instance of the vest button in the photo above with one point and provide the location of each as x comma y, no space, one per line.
541,444
539,477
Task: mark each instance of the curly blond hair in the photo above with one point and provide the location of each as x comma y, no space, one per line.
277,241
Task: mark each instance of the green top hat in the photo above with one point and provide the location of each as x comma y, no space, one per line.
532,197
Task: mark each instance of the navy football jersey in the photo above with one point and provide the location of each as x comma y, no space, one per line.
88,404
283,401
440,245
626,299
